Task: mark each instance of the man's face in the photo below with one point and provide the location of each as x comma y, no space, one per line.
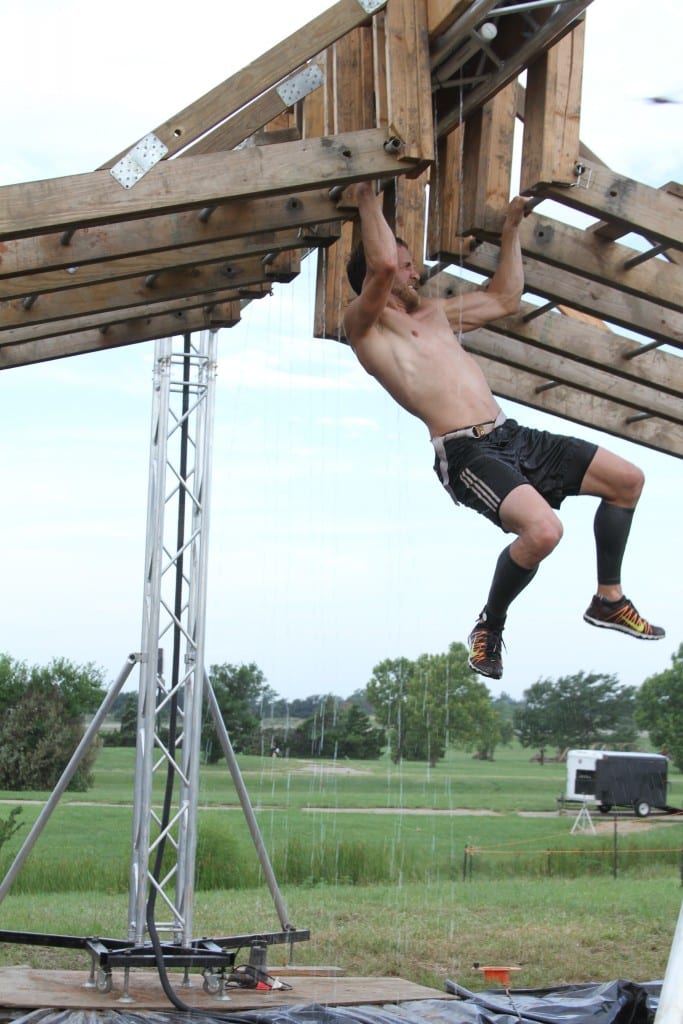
406,280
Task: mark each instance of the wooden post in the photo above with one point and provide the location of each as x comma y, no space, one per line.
349,108
487,164
552,113
409,86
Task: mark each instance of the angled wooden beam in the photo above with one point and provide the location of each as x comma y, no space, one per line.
580,407
630,205
195,182
552,113
231,219
223,314
629,311
264,72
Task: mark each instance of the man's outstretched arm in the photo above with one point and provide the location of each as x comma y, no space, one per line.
504,291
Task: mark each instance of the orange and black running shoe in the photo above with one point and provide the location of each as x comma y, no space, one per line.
621,615
486,647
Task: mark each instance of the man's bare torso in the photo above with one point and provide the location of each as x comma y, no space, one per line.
417,358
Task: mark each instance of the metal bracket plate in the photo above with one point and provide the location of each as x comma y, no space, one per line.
300,84
141,158
371,6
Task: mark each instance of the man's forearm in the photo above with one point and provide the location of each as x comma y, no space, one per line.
379,242
508,278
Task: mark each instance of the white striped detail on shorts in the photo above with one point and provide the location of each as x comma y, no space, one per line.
482,490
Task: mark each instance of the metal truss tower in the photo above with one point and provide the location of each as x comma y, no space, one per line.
174,688
173,632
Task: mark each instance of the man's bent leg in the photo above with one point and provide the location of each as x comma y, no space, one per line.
538,530
619,483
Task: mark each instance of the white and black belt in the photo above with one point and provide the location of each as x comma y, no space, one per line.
476,429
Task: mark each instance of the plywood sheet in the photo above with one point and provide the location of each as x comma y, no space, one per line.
23,987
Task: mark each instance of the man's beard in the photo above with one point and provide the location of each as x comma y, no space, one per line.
408,296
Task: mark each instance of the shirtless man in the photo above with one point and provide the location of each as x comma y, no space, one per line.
513,475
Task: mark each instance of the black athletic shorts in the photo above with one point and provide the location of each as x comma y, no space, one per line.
481,472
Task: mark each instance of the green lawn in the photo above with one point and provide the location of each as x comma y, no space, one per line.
371,857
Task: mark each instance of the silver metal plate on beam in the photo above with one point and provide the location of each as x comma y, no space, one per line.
142,157
300,84
371,6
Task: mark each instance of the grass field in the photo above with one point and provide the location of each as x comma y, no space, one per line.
371,858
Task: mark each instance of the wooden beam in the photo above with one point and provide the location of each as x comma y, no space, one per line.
574,249
629,311
569,248
266,71
442,13
410,214
486,168
409,84
579,407
630,205
115,295
168,259
195,182
552,113
584,340
444,225
350,104
102,321
562,369
228,220
130,332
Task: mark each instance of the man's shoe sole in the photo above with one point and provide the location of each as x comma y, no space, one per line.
483,672
623,629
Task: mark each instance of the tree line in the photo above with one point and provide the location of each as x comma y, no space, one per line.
409,709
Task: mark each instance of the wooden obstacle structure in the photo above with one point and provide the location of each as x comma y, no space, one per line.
229,195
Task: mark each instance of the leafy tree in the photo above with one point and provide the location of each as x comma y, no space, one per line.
82,686
239,690
428,704
582,710
38,736
337,729
14,677
533,719
41,712
659,708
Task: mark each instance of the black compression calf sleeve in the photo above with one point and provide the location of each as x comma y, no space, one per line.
509,580
611,528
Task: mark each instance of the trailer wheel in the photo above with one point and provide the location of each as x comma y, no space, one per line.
642,808
605,808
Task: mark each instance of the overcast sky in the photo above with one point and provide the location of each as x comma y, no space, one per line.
332,544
